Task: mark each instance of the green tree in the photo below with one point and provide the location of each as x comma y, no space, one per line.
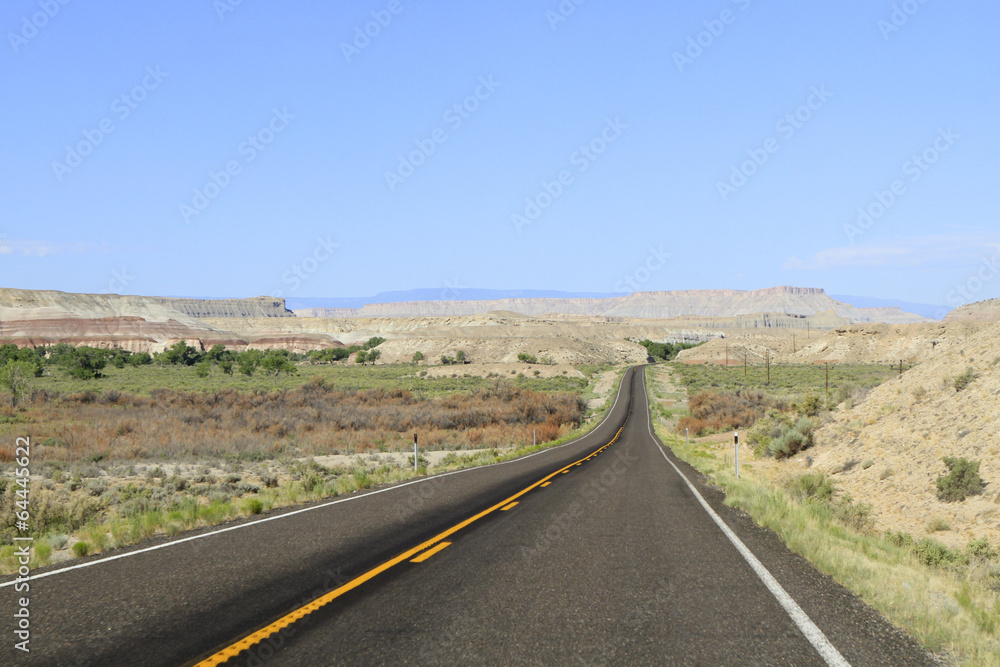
276,362
460,357
418,356
140,359
226,366
373,342
202,368
373,355
248,361
362,357
16,377
84,363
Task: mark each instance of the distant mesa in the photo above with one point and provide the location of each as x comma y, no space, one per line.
140,323
775,306
137,323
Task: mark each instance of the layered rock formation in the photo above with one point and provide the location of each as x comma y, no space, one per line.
141,324
791,301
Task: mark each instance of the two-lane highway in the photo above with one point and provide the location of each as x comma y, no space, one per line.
603,551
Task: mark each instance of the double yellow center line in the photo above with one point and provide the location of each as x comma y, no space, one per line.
425,551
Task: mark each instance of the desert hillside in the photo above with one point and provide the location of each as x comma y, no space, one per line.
890,445
980,311
860,343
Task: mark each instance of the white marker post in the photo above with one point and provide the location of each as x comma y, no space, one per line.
414,452
736,449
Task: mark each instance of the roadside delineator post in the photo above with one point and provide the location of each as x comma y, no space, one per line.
414,452
736,449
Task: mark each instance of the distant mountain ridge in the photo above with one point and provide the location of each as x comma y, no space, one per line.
928,310
795,301
447,293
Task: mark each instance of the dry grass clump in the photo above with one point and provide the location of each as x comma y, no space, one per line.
312,419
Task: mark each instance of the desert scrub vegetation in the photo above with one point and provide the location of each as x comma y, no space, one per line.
312,419
102,503
948,599
962,480
712,411
66,369
788,381
965,378
780,434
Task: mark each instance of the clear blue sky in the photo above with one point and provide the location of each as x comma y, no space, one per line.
310,118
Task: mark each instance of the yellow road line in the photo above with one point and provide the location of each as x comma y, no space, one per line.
430,552
504,509
254,638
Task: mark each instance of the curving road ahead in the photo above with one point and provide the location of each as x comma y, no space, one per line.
607,550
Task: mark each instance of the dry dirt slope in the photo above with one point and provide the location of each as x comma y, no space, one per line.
906,426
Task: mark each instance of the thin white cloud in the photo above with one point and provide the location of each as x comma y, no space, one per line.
918,252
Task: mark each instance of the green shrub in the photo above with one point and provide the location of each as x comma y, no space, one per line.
980,549
962,480
814,486
966,378
811,405
766,430
936,524
793,440
899,538
253,506
81,549
934,553
855,515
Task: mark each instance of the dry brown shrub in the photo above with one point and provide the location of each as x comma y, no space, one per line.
310,420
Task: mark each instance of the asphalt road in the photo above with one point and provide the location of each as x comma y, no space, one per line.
609,556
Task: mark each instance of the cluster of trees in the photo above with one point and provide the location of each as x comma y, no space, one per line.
459,358
248,362
19,364
366,352
665,351
532,359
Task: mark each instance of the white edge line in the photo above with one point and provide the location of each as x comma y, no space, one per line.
285,515
815,636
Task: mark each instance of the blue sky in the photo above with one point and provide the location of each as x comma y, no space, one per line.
242,148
